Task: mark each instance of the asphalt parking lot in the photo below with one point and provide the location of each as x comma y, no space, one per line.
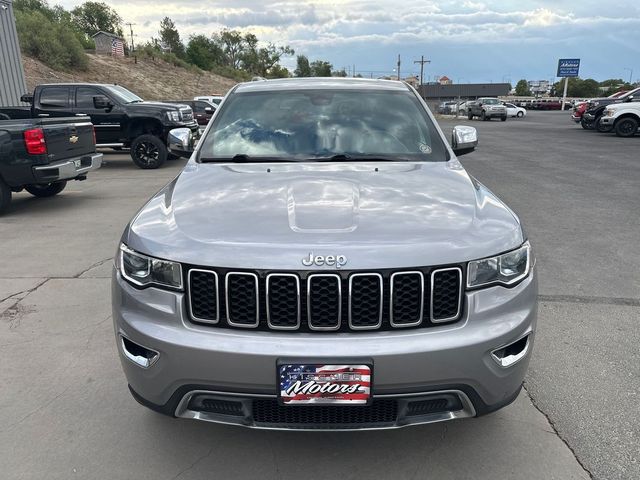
65,411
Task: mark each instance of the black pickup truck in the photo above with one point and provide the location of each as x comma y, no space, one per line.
41,155
121,118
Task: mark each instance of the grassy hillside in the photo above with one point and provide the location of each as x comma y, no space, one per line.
150,79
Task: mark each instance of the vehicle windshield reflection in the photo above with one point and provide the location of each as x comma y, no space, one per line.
323,125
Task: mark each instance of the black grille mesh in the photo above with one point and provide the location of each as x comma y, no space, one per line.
446,294
324,301
290,308
241,299
204,295
270,413
407,298
366,301
283,301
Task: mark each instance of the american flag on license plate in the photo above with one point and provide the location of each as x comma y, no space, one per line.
325,384
117,48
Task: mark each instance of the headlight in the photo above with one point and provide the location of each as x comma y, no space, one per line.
595,104
608,113
506,269
145,271
174,116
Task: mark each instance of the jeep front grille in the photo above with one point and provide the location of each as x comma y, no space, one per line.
319,301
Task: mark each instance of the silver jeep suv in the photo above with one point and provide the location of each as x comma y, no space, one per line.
324,261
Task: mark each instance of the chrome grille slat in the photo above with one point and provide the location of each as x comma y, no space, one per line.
395,317
438,301
200,313
380,300
272,312
329,310
239,304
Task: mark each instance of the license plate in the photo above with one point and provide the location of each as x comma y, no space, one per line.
77,163
303,384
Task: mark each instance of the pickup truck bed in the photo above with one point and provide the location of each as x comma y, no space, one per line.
40,155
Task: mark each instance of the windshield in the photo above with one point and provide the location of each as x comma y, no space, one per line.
336,125
122,94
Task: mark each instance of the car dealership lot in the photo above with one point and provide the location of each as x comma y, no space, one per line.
65,409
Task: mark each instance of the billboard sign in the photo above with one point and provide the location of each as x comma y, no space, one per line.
568,67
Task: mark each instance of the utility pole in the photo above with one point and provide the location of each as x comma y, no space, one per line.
354,69
398,66
422,61
131,30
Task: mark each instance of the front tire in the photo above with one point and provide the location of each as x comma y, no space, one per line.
148,152
503,119
47,189
483,116
5,197
520,114
586,125
470,116
626,127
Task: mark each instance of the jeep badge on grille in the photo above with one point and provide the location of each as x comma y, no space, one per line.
337,261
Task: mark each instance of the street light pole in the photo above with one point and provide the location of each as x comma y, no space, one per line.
398,66
630,75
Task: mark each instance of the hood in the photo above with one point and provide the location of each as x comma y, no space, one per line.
155,106
271,216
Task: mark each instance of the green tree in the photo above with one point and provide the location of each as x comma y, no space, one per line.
232,44
203,52
321,68
53,43
522,88
170,37
92,17
303,69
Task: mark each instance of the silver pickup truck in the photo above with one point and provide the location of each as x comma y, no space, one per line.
324,261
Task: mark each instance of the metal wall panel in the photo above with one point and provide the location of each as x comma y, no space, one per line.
12,82
464,90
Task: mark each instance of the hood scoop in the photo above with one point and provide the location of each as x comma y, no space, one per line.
323,206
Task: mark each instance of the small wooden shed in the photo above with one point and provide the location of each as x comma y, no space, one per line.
108,44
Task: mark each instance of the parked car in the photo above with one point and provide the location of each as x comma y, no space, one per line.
578,110
487,108
324,261
462,108
591,117
622,118
447,108
203,110
215,99
121,118
40,155
515,111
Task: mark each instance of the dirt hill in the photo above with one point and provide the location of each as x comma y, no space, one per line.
150,79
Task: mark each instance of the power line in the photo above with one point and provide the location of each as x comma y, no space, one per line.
131,30
422,61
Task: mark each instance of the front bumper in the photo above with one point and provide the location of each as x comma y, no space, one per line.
496,113
588,117
67,169
408,365
608,121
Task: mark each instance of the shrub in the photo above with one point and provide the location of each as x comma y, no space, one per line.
54,44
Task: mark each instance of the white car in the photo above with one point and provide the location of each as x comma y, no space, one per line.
622,118
215,99
515,111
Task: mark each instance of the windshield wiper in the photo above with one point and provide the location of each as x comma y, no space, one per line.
244,158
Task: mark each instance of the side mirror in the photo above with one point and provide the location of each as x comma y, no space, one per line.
181,142
463,140
101,102
630,98
209,110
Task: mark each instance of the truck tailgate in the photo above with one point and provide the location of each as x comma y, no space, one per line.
68,137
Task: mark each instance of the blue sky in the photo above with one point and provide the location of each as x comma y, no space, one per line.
469,41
